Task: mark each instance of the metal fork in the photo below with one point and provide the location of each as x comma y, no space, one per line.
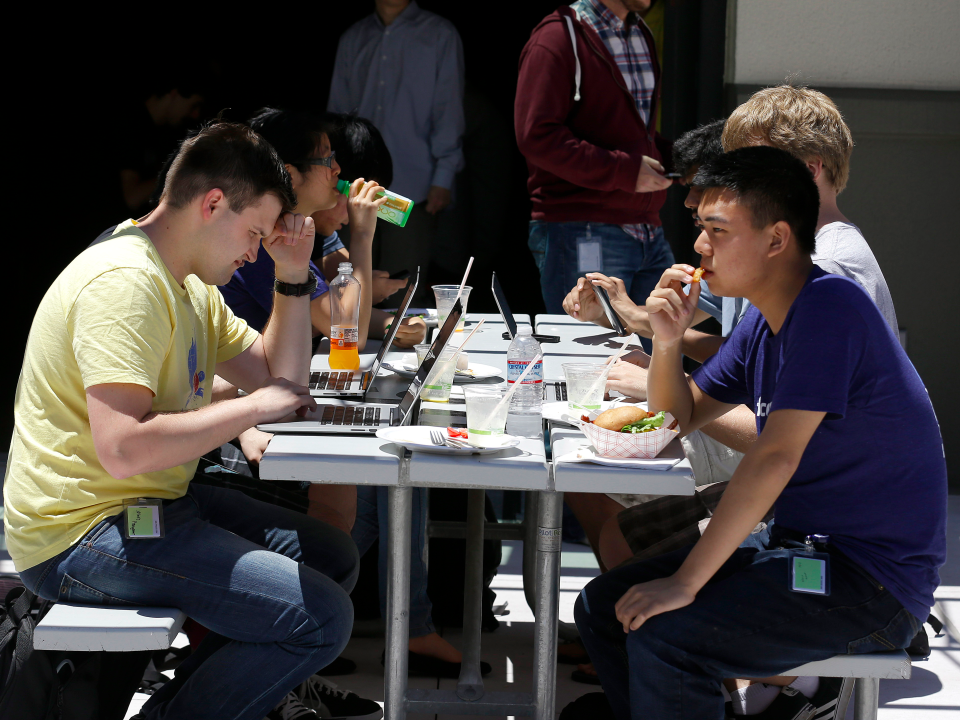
437,438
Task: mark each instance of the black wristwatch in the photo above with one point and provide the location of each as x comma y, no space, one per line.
296,289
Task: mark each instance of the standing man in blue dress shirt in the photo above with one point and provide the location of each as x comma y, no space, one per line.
402,67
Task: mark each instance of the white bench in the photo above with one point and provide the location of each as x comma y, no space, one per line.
113,629
866,670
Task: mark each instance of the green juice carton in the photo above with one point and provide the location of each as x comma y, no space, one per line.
396,209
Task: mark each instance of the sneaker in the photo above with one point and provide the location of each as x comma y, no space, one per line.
827,699
290,708
791,704
329,701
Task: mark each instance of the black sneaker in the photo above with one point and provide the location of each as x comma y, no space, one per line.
333,703
290,708
826,700
592,706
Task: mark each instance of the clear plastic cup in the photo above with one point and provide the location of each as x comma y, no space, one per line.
584,389
484,428
446,295
437,386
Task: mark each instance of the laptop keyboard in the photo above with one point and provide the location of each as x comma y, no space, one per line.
559,391
330,380
341,415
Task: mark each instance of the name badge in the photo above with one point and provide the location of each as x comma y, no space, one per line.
143,519
589,254
810,573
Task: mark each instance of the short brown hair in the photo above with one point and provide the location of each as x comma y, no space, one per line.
804,122
232,157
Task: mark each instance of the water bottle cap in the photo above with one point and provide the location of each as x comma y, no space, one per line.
524,330
343,187
345,268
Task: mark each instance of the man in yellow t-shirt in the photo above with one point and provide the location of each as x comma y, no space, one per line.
114,404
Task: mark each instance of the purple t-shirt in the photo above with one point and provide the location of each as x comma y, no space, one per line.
873,476
250,291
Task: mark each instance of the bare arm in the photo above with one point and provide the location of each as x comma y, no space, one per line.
758,481
330,264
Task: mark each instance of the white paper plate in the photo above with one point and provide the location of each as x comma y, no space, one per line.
406,367
417,437
587,453
560,412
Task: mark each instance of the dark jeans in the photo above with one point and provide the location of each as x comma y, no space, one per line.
745,622
271,584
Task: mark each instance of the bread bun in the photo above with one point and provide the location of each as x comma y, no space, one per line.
615,418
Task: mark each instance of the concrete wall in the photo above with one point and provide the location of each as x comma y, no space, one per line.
849,43
904,185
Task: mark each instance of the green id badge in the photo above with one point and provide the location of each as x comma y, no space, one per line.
810,573
143,519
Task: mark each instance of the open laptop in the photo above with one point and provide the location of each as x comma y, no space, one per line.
352,383
369,417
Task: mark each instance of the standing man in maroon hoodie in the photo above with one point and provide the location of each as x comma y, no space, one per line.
585,114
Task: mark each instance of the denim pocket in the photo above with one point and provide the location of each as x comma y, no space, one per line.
74,591
537,242
896,635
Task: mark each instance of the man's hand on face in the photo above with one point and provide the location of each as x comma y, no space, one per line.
412,331
437,199
384,287
290,245
651,177
279,397
581,303
628,379
670,310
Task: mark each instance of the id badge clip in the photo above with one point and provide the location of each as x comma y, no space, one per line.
143,519
809,569
589,254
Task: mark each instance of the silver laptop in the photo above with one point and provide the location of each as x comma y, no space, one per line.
352,383
342,419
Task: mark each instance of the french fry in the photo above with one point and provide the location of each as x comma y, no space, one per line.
697,274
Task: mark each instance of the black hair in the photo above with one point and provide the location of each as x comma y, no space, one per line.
361,151
295,134
772,184
697,146
229,156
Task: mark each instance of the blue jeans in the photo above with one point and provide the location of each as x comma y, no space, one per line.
372,523
554,247
745,622
271,584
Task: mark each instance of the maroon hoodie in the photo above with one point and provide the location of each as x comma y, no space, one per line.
584,156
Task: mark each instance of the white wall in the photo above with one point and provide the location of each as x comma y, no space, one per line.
908,44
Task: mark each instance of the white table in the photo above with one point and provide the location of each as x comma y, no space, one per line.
557,320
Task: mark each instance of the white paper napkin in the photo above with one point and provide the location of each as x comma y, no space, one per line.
588,454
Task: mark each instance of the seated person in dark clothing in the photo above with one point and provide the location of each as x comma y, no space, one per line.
850,564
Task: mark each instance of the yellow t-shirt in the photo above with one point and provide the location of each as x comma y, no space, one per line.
114,315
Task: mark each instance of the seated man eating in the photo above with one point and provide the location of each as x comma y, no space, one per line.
864,519
113,409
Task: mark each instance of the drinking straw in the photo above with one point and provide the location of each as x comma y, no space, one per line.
463,344
516,386
603,376
463,282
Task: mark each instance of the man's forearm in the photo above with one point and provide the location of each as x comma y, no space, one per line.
361,257
667,385
736,429
700,346
287,337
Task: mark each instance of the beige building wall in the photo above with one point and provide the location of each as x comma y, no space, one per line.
893,68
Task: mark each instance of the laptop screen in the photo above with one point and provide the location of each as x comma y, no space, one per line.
439,343
502,306
395,325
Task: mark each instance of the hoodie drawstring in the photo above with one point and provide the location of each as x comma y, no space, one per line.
576,58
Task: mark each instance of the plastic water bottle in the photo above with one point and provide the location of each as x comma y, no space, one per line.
524,348
344,316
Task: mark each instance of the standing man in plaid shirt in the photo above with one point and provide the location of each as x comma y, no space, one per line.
585,116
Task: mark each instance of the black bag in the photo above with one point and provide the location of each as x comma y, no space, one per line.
56,685
920,645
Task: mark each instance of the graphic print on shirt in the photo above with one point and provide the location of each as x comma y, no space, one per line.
763,408
195,378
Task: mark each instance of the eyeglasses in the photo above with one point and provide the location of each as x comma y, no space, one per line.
325,161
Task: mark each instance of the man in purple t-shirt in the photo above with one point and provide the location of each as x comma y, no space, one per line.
848,447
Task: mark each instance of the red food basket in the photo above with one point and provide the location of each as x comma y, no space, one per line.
613,444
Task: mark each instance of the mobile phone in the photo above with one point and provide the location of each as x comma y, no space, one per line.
400,275
673,176
608,310
538,338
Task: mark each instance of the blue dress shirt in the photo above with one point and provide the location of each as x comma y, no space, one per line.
407,78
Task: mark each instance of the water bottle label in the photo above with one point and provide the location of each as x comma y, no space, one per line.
515,369
340,335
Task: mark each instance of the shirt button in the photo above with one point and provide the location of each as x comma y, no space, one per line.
381,82
379,108
383,57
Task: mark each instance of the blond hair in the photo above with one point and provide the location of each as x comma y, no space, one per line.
804,122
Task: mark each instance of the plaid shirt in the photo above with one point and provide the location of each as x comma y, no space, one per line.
629,49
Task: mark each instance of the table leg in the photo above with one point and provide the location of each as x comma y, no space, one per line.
548,604
531,521
400,500
470,684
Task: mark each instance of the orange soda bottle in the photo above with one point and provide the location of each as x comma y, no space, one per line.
344,316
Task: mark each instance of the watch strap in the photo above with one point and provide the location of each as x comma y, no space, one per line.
296,289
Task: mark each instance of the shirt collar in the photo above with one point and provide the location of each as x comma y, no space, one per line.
409,13
602,14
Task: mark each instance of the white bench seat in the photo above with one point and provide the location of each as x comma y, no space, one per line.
112,629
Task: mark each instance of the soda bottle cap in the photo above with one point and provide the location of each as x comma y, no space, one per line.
343,187
345,268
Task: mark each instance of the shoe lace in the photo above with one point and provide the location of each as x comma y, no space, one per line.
291,706
317,688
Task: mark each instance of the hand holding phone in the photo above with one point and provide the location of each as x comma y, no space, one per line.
400,275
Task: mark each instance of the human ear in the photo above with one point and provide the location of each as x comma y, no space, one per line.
781,237
213,203
815,166
296,179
